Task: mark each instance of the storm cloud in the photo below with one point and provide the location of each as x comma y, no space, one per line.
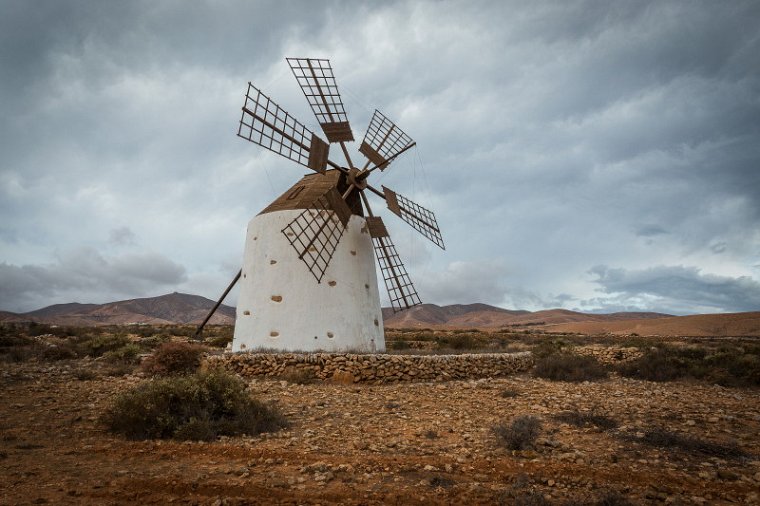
552,138
83,271
676,288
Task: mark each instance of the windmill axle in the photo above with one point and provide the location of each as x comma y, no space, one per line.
358,178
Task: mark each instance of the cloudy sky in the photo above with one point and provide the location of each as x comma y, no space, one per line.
597,156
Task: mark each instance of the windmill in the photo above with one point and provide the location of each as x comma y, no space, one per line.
308,280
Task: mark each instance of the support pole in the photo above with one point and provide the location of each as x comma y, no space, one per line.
199,330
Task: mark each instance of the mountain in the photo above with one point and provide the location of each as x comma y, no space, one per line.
165,309
485,317
184,308
426,315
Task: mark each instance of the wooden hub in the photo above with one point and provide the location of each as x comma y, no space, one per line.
358,178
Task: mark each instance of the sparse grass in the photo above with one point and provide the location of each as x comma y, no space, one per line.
520,434
127,354
663,438
85,374
565,366
116,370
612,498
522,497
586,419
174,358
737,365
200,406
441,482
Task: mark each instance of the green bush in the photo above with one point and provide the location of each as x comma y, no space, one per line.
98,345
219,341
127,354
201,406
520,434
569,367
174,358
60,351
155,340
548,347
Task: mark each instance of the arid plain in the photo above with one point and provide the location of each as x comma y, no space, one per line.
616,438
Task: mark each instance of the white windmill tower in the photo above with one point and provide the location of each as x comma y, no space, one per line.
323,225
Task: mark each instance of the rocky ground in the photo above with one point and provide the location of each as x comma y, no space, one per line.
407,443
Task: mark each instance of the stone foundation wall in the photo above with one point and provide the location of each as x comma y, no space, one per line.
355,368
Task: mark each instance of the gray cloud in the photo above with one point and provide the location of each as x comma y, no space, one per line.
650,231
464,283
86,276
677,289
551,137
121,236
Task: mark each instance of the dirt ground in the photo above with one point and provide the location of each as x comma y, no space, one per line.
408,443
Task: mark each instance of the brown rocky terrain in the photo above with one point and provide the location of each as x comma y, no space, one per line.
412,442
731,324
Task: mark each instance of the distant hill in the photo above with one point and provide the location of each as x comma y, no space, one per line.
166,309
184,308
726,324
483,316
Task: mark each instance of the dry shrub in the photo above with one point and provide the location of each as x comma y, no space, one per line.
663,438
586,419
174,358
520,434
566,366
199,406
727,366
508,393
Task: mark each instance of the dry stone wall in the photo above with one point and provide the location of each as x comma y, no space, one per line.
355,368
609,355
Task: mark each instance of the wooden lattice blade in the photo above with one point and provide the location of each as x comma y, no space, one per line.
421,219
316,232
383,140
400,288
316,79
265,123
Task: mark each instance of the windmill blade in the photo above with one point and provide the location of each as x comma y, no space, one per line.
316,79
383,141
421,219
265,123
400,288
316,232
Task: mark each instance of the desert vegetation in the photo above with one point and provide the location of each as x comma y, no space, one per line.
199,406
599,420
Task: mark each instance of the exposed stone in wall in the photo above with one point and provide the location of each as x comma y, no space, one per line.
608,354
355,368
